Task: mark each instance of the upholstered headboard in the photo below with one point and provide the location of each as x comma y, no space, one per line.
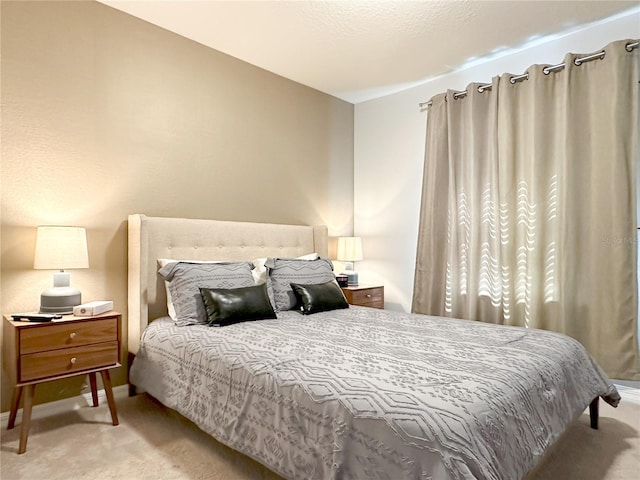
151,238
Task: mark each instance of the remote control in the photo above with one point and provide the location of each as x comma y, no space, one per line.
36,317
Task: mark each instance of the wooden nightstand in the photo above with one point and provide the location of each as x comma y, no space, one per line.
44,351
365,295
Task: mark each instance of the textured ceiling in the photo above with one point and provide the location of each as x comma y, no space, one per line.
358,50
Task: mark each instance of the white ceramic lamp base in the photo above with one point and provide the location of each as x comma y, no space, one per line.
62,297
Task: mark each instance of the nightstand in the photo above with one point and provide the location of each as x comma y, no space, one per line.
365,295
39,352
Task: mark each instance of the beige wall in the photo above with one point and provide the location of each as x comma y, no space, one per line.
104,115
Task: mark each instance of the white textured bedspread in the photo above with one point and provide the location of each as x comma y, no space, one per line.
363,393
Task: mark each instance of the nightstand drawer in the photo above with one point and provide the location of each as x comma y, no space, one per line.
67,360
365,296
368,295
64,335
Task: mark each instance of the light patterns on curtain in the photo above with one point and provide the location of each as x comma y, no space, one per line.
494,276
522,184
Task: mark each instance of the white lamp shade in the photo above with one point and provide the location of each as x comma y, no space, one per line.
61,248
349,249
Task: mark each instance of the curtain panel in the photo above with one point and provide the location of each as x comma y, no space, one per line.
528,213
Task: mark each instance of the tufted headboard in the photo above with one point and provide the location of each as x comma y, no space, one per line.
151,238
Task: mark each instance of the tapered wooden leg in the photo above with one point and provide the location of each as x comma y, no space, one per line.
15,404
26,417
94,388
106,381
594,408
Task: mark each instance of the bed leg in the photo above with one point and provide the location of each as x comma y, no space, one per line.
594,412
132,387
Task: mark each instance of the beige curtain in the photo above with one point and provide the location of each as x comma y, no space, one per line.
528,212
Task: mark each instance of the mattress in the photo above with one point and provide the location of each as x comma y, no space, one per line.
375,394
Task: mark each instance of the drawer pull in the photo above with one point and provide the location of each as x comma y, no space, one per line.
368,295
72,335
73,360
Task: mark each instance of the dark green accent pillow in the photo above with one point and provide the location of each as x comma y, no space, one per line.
226,306
319,297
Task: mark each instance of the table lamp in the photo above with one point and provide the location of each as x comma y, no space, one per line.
349,251
60,248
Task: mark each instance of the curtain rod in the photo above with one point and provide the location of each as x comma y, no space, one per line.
546,70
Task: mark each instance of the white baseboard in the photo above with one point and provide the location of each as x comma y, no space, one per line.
628,393
67,404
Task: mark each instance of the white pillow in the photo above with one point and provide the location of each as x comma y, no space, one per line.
260,271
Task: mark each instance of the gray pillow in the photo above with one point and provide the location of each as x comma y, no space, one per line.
282,272
186,279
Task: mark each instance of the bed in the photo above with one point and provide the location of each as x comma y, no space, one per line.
350,393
